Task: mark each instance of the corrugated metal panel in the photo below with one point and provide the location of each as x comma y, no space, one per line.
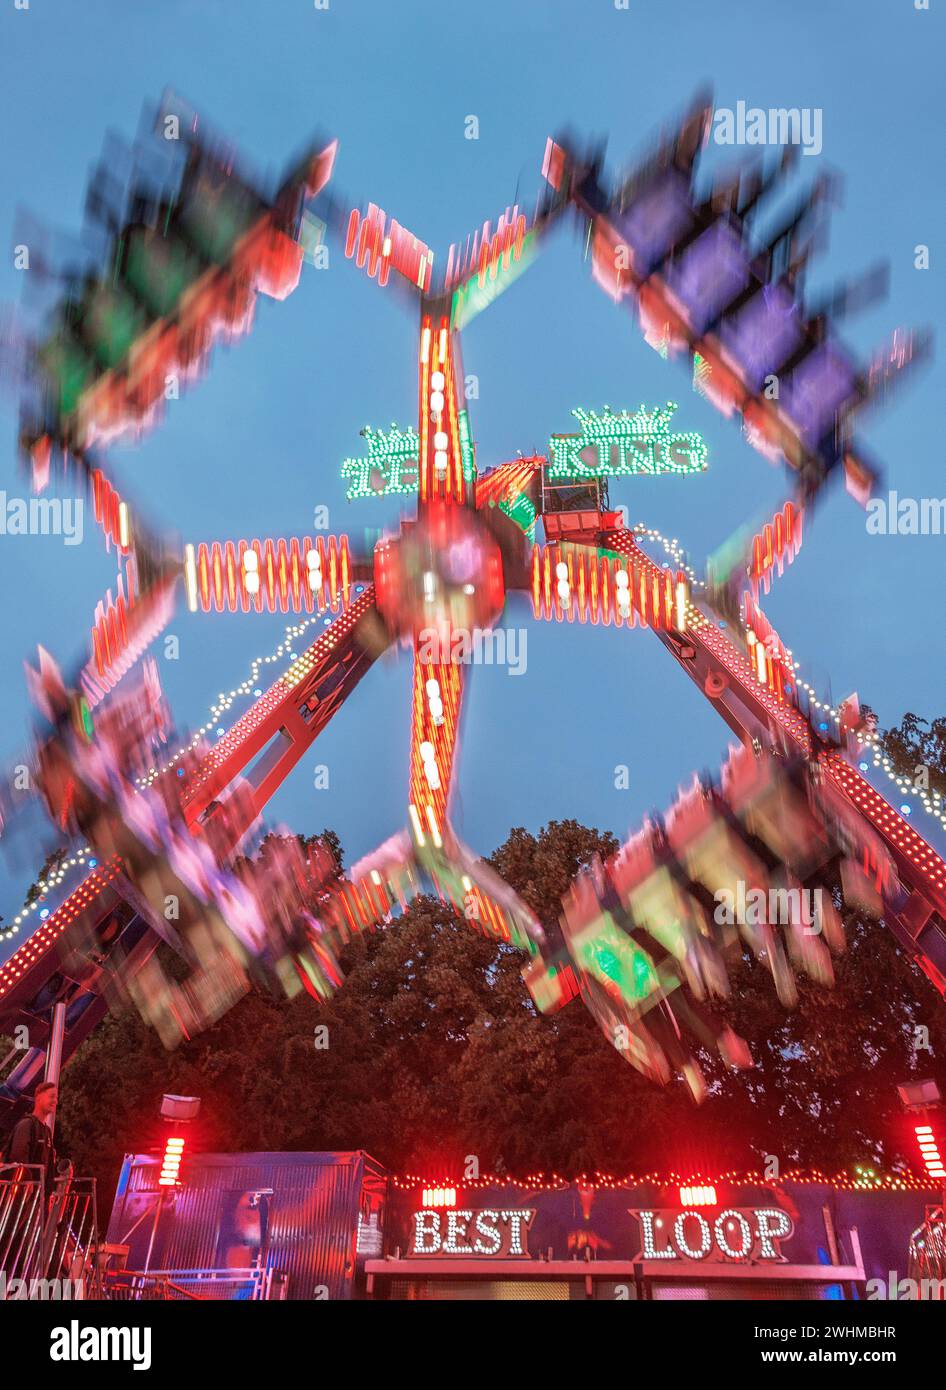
209,1224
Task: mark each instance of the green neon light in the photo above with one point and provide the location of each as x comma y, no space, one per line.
391,462
522,512
85,719
472,298
390,466
467,454
611,955
612,445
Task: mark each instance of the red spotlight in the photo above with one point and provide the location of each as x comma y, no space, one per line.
698,1196
930,1151
171,1164
439,1197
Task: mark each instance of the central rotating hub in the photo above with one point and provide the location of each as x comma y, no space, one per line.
443,574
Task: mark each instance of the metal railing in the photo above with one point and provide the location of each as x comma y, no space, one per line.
129,1286
48,1237
927,1255
252,1284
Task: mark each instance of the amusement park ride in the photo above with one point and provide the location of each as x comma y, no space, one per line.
639,938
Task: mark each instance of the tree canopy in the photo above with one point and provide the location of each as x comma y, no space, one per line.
432,1050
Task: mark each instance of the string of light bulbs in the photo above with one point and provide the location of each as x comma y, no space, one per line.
53,880
932,802
861,1179
225,700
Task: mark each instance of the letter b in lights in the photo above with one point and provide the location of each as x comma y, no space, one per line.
487,1233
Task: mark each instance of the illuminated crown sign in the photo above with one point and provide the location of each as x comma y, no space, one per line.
609,445
613,444
391,464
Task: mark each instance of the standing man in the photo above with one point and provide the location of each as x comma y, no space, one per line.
31,1139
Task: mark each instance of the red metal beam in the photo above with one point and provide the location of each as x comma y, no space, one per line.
290,715
760,709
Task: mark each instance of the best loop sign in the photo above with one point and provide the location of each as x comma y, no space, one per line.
492,1233
743,1235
